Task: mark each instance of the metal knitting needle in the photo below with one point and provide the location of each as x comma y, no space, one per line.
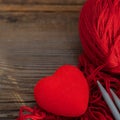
116,99
109,102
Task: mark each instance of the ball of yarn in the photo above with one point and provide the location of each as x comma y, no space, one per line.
100,33
99,29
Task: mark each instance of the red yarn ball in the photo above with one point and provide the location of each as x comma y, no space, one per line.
99,29
64,93
100,33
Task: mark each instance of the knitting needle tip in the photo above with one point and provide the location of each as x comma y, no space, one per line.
109,102
116,99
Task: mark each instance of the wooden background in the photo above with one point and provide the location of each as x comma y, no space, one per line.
36,37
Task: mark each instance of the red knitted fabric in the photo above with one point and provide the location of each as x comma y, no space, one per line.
99,29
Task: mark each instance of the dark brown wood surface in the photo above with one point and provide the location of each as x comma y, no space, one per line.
36,37
63,2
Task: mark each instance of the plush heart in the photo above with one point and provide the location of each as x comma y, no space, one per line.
64,93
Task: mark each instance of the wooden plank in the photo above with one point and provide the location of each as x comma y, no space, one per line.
48,2
12,110
33,45
13,106
38,8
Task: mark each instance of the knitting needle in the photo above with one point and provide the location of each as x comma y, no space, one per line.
109,102
116,99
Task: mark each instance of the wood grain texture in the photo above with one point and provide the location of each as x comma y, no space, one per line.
39,8
41,5
49,2
33,45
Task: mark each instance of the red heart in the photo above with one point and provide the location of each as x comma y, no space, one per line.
64,93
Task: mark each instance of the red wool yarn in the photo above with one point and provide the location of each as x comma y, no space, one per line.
99,29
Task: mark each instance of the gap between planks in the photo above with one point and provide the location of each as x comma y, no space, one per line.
40,8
